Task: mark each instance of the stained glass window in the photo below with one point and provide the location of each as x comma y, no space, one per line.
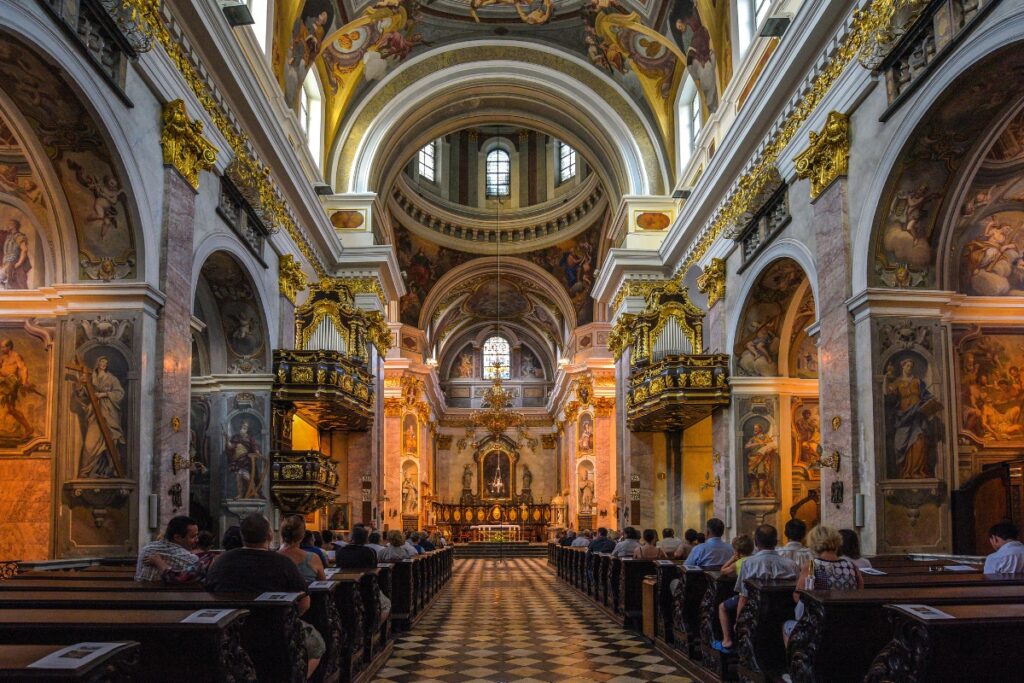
499,171
496,349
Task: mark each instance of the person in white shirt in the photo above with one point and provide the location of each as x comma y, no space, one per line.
373,543
795,550
628,545
583,540
669,543
1008,557
395,550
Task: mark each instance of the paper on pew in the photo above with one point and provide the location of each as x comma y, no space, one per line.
959,568
925,612
871,571
271,596
331,572
74,656
321,584
206,616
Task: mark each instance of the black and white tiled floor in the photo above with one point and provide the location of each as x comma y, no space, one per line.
516,621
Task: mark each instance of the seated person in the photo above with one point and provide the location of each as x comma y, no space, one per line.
309,544
1008,557
194,573
687,546
669,543
764,564
232,538
796,530
825,572
851,549
583,540
714,552
568,538
175,549
742,548
628,545
396,550
601,544
648,548
373,542
293,531
412,544
425,542
356,554
254,568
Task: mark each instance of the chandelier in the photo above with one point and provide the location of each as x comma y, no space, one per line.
496,415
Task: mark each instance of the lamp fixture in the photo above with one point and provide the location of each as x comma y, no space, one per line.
237,13
681,194
323,189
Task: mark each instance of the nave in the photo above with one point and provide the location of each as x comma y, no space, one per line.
515,621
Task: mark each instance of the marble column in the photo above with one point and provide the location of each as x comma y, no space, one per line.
604,461
837,378
174,346
721,435
392,457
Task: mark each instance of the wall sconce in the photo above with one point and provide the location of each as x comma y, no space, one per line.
709,483
830,461
181,462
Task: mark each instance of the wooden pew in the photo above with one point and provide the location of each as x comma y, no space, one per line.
719,588
172,651
686,617
613,585
602,561
97,575
271,634
841,632
759,646
352,612
403,604
665,572
631,577
119,664
979,643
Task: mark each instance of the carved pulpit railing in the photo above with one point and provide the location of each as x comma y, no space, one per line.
302,481
672,384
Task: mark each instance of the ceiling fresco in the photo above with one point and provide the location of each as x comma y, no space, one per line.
647,48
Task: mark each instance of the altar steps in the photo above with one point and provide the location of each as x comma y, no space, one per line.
499,550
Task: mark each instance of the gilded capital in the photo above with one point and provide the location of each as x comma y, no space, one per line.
712,281
290,278
185,148
828,155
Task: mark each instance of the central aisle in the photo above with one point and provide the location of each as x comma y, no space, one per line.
517,622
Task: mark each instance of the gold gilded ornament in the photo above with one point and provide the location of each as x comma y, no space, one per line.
712,281
185,149
290,278
828,156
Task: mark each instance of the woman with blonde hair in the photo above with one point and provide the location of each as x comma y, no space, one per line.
825,572
395,550
293,530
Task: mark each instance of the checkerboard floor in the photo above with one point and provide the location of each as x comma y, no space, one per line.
515,621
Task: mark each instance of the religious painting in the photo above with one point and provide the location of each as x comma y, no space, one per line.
761,458
758,339
585,434
925,174
989,369
247,466
912,414
241,321
462,368
585,487
410,488
653,220
21,260
497,475
339,516
24,386
806,434
803,351
410,436
99,383
529,366
423,263
992,245
497,298
92,187
693,40
316,19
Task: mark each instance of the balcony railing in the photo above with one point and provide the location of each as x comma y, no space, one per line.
676,392
326,387
302,481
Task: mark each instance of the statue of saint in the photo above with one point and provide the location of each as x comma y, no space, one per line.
465,365
243,455
467,478
586,492
586,440
410,495
97,400
527,478
410,438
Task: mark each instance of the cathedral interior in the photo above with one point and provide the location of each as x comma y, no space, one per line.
536,264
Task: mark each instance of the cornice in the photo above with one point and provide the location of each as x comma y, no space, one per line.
63,299
378,261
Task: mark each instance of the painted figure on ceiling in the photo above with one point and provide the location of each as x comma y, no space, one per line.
15,262
98,397
910,407
694,41
106,193
308,33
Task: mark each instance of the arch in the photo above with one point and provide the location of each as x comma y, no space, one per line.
589,98
232,307
763,329
980,48
85,89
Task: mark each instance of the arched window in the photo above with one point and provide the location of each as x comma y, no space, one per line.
496,350
689,121
260,10
750,15
566,162
499,173
425,161
311,114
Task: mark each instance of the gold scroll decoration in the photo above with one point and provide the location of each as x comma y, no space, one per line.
712,281
828,156
185,149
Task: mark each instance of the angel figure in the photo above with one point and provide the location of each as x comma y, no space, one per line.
106,193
